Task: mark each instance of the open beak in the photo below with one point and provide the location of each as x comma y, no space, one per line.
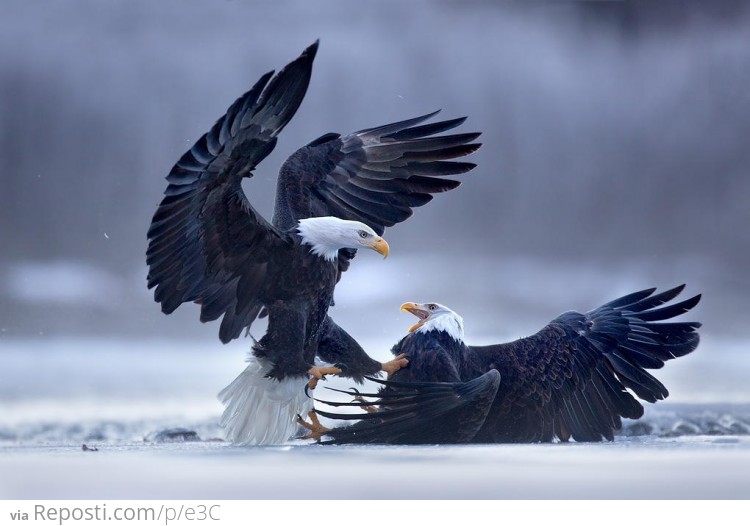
381,246
417,310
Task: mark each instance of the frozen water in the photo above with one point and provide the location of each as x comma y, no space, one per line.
685,468
117,396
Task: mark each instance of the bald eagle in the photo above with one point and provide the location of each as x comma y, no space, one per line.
576,378
208,245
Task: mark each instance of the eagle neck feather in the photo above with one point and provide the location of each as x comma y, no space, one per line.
452,325
323,234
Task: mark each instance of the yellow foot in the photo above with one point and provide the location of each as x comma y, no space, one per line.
315,428
319,373
399,362
368,407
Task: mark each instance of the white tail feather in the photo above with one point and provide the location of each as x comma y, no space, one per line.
262,411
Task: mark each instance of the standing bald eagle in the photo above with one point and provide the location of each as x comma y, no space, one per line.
208,245
572,379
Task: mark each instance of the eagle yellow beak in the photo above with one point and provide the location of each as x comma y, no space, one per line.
417,310
381,246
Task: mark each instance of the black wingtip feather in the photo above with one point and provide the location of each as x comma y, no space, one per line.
643,344
670,311
426,130
311,50
387,129
654,300
629,298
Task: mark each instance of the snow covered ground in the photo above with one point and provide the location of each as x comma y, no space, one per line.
57,395
684,468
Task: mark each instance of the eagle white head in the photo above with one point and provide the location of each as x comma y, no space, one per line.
436,317
326,235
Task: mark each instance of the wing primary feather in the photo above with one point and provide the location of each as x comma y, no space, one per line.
669,312
426,130
387,129
628,299
655,300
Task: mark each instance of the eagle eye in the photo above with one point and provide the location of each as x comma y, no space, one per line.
432,306
363,234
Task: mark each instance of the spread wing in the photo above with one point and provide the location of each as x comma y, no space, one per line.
207,244
574,377
417,412
376,176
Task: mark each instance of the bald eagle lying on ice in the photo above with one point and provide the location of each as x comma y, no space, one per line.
573,379
208,245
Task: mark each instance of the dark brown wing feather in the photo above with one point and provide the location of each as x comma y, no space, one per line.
574,377
207,244
417,412
376,176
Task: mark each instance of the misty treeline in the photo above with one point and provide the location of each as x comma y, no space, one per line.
611,132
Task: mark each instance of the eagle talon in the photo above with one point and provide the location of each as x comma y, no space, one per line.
367,405
319,373
315,428
392,367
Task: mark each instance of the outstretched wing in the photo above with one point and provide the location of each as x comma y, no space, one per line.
571,379
207,244
417,412
376,176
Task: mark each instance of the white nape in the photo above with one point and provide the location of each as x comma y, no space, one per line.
447,321
326,235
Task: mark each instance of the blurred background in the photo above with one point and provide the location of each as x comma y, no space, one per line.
615,158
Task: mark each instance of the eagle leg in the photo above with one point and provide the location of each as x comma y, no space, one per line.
390,368
319,373
315,428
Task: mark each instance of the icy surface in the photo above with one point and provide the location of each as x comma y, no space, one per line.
687,467
118,396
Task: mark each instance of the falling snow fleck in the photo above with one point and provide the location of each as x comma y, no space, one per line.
105,235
